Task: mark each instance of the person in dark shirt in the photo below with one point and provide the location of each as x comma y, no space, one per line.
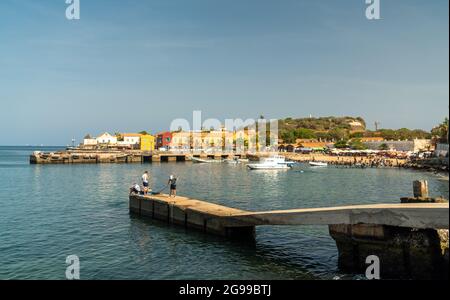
173,186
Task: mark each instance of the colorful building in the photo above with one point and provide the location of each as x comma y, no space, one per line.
147,142
416,145
131,138
181,140
215,139
163,140
107,138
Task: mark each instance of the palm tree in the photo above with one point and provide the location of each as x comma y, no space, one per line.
440,132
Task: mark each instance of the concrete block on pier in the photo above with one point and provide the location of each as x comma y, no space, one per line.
134,204
160,210
195,219
146,208
403,252
191,213
178,215
420,189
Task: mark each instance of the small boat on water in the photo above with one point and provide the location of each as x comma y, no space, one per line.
201,160
318,164
271,163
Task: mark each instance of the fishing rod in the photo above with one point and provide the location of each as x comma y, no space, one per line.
160,191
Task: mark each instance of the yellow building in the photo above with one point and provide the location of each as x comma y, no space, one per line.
147,142
181,140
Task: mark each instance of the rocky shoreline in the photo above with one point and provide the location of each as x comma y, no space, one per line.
435,165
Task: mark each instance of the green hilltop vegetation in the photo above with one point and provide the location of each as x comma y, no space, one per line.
336,129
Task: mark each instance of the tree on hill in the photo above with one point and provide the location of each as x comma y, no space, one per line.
356,144
338,128
404,134
143,132
339,134
357,135
304,133
324,128
341,144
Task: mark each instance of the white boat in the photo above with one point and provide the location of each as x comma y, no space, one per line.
271,163
200,160
318,164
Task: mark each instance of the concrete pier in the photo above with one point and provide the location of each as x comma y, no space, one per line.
411,239
104,157
192,213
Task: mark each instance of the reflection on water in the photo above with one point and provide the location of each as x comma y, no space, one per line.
49,212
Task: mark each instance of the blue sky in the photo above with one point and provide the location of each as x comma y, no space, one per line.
139,64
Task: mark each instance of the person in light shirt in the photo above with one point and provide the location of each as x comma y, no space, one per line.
145,182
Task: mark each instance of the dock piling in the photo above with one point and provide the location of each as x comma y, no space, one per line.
420,189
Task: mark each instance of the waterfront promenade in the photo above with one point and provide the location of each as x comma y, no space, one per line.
79,156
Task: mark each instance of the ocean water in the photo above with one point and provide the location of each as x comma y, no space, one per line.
48,212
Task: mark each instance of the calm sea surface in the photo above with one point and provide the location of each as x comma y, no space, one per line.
50,212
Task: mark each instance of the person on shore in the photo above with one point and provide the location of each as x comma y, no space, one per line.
145,182
173,186
135,189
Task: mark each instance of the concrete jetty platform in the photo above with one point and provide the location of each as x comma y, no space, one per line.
411,239
183,210
193,213
126,156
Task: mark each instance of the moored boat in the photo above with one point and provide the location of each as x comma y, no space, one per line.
318,164
201,160
271,163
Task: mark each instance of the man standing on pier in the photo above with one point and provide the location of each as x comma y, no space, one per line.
173,186
145,182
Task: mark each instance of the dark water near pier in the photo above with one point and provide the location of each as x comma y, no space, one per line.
50,212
